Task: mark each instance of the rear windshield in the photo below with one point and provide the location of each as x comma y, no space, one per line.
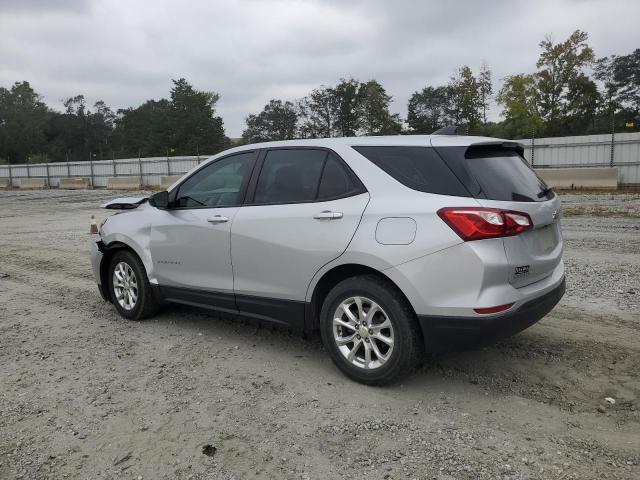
494,172
504,175
419,168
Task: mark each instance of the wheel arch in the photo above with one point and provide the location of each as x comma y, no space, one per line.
332,277
107,255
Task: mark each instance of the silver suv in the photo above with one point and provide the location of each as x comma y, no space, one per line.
388,246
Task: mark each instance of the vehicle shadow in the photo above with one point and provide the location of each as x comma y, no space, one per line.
528,362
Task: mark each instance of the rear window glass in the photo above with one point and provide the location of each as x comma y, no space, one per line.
335,181
503,174
290,176
419,168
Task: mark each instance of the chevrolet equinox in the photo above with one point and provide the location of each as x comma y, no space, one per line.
389,246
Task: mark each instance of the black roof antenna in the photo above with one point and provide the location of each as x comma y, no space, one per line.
449,130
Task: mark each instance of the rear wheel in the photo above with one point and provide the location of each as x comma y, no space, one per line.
129,287
369,330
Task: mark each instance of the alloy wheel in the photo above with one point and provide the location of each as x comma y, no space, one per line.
125,286
363,332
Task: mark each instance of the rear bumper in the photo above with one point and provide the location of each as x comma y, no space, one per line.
460,333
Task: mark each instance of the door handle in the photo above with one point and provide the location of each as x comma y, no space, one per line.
217,219
328,215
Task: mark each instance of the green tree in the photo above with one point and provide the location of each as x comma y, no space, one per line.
143,130
186,124
79,133
627,78
604,71
560,72
23,119
349,99
430,109
486,90
318,112
467,99
519,97
277,121
375,116
194,125
581,108
620,79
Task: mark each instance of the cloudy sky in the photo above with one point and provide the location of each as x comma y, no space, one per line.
127,51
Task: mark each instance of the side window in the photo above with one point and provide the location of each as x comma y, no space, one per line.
419,168
216,185
335,181
290,176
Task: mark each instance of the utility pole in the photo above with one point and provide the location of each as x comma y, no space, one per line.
533,145
613,135
91,170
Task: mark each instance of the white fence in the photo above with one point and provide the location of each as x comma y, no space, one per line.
559,152
589,151
148,169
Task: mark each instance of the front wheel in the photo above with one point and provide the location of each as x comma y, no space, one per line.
129,287
370,330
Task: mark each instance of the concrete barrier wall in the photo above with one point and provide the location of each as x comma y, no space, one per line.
167,181
124,183
150,169
36,183
570,178
602,151
74,183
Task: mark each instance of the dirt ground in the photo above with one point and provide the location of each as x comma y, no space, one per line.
86,394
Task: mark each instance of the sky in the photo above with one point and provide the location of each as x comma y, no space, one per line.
249,51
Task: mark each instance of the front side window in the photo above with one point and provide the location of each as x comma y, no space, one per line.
216,185
302,175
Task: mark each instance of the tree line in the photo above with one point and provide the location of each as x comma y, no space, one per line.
184,124
571,92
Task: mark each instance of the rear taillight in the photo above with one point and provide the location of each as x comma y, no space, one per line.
474,223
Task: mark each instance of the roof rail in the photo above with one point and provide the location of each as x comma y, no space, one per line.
449,130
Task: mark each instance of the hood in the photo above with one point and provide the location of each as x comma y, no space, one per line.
124,203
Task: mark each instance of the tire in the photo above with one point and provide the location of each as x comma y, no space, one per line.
386,363
145,305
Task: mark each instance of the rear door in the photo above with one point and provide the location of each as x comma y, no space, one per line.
303,209
498,176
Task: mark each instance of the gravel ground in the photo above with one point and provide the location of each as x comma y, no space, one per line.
86,394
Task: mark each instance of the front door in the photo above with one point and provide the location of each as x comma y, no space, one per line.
302,213
190,242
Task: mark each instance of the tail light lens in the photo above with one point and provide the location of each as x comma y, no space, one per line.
475,223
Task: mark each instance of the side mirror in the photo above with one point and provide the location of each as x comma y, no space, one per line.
160,200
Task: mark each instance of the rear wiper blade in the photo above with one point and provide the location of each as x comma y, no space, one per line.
545,192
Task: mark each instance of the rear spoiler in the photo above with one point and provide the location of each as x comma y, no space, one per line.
125,203
480,146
